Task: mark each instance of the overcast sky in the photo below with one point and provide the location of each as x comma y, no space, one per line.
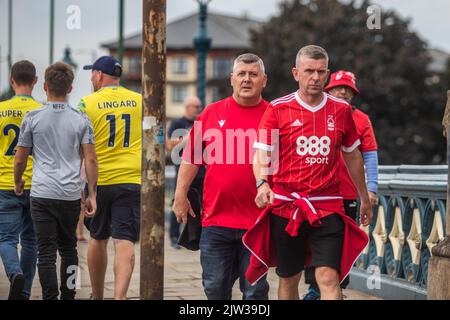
99,24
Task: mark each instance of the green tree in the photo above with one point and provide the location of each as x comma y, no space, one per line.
404,101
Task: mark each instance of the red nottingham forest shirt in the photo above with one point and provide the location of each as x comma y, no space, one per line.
222,139
310,143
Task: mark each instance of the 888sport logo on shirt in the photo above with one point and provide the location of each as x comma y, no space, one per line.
317,149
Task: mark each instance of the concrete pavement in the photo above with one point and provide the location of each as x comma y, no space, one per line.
182,278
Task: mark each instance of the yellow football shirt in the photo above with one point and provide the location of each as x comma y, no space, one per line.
116,115
12,113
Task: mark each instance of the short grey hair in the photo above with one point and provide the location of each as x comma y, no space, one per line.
249,58
312,52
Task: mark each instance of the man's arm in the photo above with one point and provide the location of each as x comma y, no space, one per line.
268,135
371,164
20,165
369,152
24,145
260,166
91,164
171,144
355,166
181,204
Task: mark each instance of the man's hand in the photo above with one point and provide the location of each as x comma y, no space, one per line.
18,188
181,207
90,206
365,213
264,196
373,198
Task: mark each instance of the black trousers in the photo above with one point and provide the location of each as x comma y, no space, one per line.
55,223
350,208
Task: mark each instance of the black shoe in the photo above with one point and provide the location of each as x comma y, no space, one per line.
16,287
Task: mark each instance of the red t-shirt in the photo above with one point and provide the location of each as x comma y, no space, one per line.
222,140
310,143
368,143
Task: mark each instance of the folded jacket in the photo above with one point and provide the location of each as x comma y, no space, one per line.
190,235
259,242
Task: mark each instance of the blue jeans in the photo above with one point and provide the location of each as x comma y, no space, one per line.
224,259
15,224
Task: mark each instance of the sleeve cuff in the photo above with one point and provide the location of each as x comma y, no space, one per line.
262,146
24,145
190,163
352,147
372,187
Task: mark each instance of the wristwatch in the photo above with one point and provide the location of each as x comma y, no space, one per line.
260,182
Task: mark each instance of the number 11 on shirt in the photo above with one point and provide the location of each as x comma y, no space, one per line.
112,129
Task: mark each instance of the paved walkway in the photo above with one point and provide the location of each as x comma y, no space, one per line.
182,279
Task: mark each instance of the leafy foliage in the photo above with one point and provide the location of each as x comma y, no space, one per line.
404,100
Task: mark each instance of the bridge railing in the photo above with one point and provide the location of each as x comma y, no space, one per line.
407,223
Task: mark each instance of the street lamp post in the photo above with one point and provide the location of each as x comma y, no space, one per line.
67,58
10,23
52,30
120,49
121,20
202,44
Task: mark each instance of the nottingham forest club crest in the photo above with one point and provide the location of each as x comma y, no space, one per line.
330,123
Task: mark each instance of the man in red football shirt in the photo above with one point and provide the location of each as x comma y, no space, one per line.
343,86
304,199
222,139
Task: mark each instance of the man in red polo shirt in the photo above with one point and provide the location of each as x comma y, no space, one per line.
221,139
304,203
343,86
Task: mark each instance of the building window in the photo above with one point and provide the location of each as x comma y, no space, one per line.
216,96
221,67
219,93
132,64
179,93
179,66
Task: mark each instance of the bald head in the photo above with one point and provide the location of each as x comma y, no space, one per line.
100,80
192,107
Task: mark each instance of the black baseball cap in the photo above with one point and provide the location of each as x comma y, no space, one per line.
106,64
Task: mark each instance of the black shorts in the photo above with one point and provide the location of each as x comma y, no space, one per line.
118,213
350,208
325,242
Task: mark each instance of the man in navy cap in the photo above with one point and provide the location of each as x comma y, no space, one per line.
108,65
116,114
